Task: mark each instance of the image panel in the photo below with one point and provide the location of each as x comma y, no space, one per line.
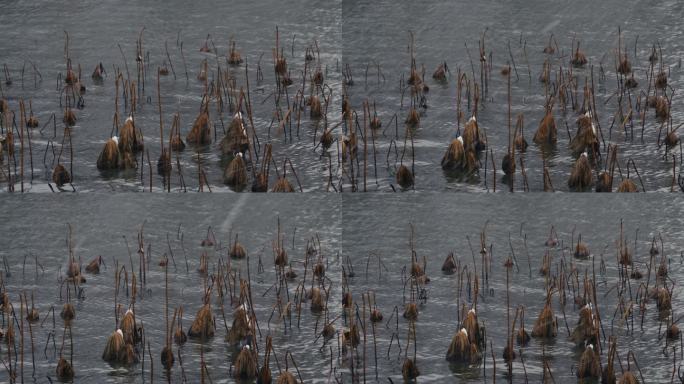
454,287
214,96
509,96
155,288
